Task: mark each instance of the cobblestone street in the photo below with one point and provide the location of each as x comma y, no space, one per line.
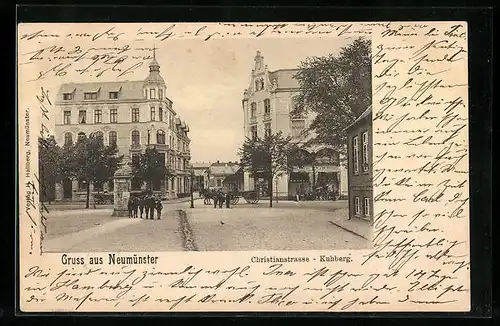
287,226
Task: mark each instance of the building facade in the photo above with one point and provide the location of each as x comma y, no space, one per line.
360,167
131,115
200,170
267,105
217,173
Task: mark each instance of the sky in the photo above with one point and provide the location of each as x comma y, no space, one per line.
206,81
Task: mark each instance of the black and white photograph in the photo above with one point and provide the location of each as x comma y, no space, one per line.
229,145
243,167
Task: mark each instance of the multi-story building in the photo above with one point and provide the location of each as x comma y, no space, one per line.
132,115
267,106
359,135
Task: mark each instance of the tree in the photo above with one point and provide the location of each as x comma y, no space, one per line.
267,157
150,166
92,161
338,89
49,166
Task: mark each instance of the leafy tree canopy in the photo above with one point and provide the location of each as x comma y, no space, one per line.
150,166
337,88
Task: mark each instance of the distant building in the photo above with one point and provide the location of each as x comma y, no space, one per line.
360,167
132,115
234,182
267,104
218,171
201,175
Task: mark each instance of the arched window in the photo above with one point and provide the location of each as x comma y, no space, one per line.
68,138
257,85
160,137
99,135
262,84
112,138
136,138
81,136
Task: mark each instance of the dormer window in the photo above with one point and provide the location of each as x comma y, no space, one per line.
152,93
113,95
160,94
145,93
67,96
90,96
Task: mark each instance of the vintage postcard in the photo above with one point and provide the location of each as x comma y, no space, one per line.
205,167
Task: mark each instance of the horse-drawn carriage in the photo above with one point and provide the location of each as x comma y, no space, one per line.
251,197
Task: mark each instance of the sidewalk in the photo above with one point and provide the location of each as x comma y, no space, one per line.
359,227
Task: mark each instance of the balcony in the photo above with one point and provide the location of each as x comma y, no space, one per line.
185,153
162,147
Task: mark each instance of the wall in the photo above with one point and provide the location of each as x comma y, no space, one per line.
360,185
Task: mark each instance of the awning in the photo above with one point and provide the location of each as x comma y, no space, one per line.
299,177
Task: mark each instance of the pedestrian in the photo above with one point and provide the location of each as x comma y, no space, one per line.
136,206
159,207
228,199
141,205
221,198
215,197
130,205
146,205
151,205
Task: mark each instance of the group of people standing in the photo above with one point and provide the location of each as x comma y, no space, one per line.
145,204
219,198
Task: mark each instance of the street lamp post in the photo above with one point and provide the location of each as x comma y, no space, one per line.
191,188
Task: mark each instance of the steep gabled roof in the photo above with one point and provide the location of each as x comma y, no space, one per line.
128,90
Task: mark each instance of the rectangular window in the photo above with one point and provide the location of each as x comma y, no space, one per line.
355,154
160,114
298,126
267,107
153,113
160,94
253,111
145,93
367,207
113,115
135,115
97,116
219,183
82,116
67,96
113,95
67,117
152,93
365,151
267,129
254,132
90,96
357,208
